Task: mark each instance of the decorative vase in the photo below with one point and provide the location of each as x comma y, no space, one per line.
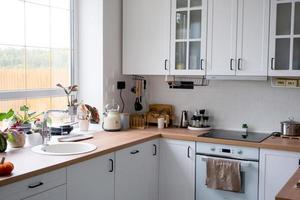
84,125
17,140
72,110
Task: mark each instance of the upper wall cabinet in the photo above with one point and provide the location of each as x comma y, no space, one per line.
188,37
238,37
285,38
146,37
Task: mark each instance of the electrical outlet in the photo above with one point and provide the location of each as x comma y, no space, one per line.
121,85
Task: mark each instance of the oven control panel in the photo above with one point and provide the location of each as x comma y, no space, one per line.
228,151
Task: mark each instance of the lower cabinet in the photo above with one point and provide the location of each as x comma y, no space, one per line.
48,186
92,179
136,175
58,193
177,170
276,168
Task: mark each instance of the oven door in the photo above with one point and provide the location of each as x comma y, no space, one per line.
249,172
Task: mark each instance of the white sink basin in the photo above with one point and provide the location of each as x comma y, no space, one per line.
64,149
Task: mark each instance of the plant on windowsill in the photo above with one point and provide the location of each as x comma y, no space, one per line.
24,121
71,93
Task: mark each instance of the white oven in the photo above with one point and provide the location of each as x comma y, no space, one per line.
248,157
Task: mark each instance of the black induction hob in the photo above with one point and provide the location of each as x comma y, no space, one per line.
236,135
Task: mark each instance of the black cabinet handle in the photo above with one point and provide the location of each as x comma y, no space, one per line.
155,149
299,163
231,64
135,152
188,152
111,165
166,61
272,63
240,64
201,64
35,185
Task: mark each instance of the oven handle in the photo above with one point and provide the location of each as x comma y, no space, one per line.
243,163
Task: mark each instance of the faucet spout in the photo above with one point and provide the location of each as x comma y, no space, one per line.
46,132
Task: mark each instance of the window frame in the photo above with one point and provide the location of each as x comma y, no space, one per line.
6,95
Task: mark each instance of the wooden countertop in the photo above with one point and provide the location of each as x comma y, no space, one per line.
29,164
290,191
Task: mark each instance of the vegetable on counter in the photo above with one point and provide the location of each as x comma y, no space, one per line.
3,143
6,168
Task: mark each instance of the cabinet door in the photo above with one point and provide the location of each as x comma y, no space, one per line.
177,170
146,36
252,46
137,172
222,37
276,168
92,179
285,38
58,193
188,37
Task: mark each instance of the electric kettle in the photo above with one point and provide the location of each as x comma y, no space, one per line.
111,118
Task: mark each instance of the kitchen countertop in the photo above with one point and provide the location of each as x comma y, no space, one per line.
289,191
29,164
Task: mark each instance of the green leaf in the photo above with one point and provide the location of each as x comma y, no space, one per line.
24,108
2,116
10,137
10,113
7,115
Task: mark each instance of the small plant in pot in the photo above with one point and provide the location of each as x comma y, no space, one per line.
71,93
24,120
83,115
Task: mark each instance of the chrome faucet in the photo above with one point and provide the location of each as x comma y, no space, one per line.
45,132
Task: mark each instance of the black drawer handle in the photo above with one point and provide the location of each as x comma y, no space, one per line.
35,185
188,152
111,165
155,150
135,152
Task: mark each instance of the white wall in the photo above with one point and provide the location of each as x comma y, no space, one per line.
89,17
232,103
112,55
100,52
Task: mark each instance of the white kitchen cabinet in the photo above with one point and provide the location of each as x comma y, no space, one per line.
37,187
58,193
222,37
285,38
252,37
188,37
136,176
276,168
146,37
237,37
92,179
177,170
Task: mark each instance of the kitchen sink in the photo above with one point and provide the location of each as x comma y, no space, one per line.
64,149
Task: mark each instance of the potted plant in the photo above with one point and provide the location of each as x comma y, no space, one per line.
23,120
83,115
71,93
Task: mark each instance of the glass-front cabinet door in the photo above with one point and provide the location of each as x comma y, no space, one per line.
285,38
188,37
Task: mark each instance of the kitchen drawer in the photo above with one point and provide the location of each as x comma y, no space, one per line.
33,185
58,193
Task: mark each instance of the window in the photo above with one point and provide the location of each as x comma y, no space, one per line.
35,53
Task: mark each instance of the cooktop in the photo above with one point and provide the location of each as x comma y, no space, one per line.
236,135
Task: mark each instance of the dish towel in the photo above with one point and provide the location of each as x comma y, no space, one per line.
223,175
